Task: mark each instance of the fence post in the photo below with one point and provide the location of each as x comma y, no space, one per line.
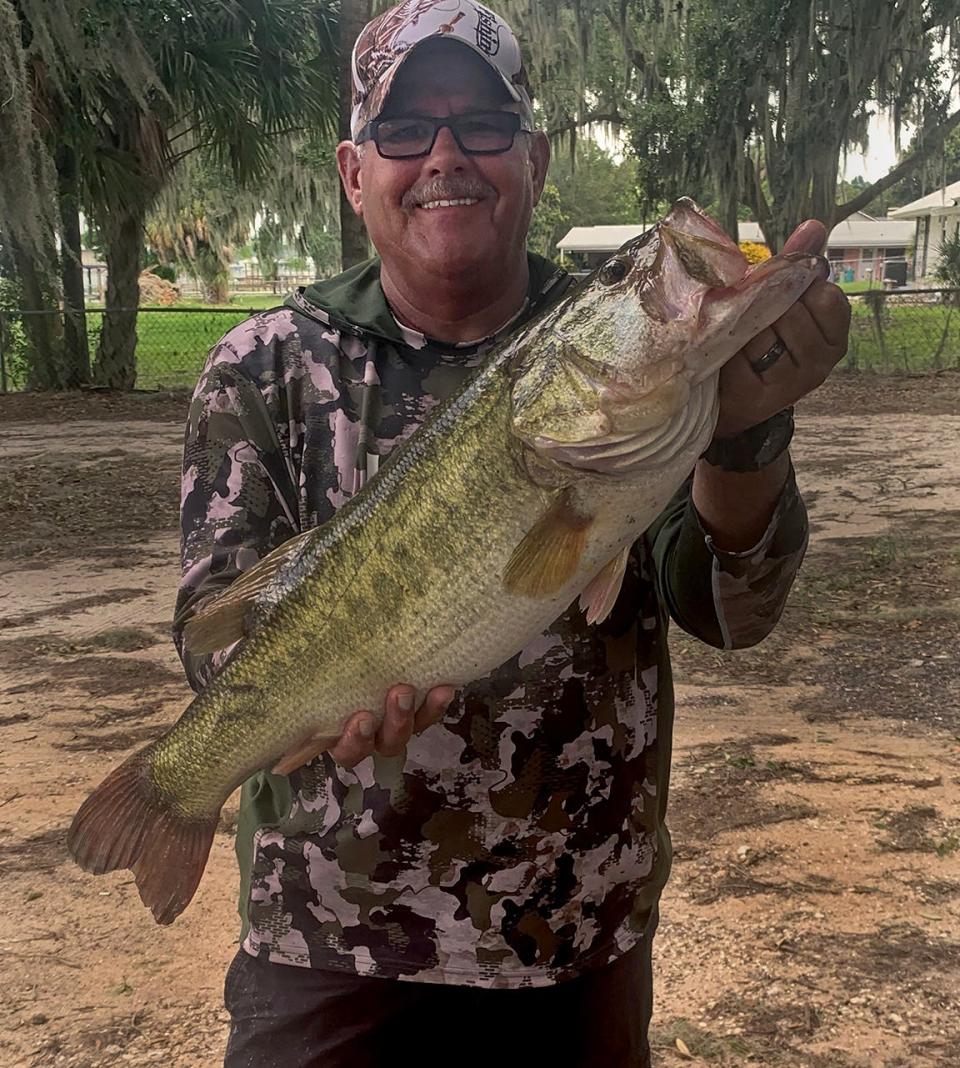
3,353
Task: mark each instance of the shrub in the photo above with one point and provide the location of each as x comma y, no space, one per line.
754,251
948,266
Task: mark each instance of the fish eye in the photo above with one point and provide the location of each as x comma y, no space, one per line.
612,272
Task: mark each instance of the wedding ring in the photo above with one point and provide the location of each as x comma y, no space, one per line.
769,358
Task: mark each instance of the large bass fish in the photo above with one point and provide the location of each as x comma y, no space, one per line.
522,492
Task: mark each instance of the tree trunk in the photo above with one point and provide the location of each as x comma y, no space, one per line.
76,350
217,288
729,204
43,329
777,231
116,355
354,15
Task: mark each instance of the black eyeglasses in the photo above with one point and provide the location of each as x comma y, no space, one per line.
482,133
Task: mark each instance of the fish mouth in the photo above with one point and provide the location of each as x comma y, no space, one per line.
705,250
704,260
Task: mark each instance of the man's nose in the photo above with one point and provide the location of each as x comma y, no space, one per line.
446,153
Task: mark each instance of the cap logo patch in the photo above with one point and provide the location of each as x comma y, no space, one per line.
488,32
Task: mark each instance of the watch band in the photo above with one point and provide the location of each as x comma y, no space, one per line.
754,448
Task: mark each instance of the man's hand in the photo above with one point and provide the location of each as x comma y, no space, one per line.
361,738
815,332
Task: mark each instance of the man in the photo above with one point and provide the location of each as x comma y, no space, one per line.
477,879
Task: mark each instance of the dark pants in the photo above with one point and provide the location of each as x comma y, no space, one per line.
287,1017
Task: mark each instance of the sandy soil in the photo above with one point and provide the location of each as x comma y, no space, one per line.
813,918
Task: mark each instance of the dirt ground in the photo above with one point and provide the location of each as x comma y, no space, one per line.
813,918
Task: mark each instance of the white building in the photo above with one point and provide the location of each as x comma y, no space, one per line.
860,248
935,217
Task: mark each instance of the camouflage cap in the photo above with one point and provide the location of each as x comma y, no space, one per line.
386,41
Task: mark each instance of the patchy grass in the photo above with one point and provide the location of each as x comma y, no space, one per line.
721,792
950,843
115,639
75,604
120,639
917,829
37,854
111,741
897,954
686,1040
909,830
58,509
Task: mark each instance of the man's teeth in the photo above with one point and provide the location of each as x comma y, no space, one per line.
449,203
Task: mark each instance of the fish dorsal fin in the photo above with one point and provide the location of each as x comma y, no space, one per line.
232,615
548,556
601,592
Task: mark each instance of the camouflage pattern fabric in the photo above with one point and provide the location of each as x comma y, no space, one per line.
522,840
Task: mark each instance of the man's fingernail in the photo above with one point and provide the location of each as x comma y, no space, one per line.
366,729
405,701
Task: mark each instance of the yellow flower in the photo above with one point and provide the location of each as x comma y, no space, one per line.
754,251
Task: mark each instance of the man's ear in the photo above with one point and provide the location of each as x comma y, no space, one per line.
348,163
539,161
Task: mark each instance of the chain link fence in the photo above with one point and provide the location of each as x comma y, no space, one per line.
172,343
911,331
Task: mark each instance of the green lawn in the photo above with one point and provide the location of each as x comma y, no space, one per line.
253,300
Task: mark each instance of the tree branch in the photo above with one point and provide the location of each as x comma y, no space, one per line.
928,142
575,124
636,57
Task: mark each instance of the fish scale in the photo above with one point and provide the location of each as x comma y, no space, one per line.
515,496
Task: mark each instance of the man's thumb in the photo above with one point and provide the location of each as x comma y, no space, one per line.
809,237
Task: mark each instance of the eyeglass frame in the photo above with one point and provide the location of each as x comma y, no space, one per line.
369,133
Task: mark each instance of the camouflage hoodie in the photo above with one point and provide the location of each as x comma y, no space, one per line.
522,840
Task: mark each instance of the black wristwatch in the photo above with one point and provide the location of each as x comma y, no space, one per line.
754,448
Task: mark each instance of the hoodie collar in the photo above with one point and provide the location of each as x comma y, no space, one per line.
353,301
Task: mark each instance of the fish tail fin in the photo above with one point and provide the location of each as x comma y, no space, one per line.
125,823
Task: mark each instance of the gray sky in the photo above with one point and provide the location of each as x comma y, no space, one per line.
881,155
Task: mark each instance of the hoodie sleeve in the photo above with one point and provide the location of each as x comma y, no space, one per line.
238,495
730,600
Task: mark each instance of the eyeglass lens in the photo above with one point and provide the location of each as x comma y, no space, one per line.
478,133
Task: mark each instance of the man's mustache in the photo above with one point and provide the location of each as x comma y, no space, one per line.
446,189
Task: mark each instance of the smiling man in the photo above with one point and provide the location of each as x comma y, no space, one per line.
477,878
446,178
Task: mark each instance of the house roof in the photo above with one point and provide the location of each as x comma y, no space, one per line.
870,233
947,197
854,232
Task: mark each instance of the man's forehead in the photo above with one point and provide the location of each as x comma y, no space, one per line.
445,68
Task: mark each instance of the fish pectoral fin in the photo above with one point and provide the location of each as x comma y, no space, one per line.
231,616
304,752
548,556
601,592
